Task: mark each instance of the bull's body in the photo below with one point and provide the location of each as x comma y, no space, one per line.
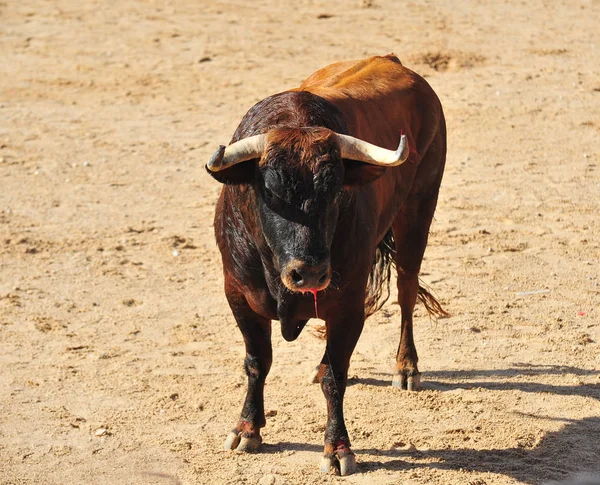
375,100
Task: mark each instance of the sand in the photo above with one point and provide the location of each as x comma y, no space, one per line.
121,362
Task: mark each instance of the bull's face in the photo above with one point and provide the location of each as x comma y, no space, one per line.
298,175
298,183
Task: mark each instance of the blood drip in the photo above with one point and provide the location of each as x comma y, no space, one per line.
314,292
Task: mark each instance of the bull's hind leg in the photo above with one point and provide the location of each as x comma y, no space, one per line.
411,229
256,331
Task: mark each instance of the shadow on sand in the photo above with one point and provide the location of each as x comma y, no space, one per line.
499,380
572,450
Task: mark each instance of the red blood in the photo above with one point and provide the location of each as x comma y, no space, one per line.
314,292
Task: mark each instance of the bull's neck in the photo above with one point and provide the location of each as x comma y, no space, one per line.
256,254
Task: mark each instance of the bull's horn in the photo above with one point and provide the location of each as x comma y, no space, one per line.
355,149
240,151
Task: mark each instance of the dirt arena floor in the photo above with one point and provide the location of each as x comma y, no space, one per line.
121,362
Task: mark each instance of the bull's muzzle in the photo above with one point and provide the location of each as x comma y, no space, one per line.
299,276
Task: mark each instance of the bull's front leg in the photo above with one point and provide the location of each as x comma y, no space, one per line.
343,331
256,331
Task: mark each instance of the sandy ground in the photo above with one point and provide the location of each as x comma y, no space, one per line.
120,360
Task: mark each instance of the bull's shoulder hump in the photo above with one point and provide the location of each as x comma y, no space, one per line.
379,72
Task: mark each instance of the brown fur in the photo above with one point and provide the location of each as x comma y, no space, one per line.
376,100
301,144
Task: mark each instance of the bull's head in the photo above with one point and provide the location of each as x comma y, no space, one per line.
298,175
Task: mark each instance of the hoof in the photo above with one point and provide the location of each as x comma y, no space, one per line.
347,464
235,441
328,464
250,444
343,463
232,441
407,382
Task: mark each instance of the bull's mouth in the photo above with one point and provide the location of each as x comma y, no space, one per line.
305,290
287,306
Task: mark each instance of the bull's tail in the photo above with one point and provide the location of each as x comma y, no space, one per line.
434,308
378,285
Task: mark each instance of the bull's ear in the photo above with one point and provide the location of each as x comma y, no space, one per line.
241,173
360,173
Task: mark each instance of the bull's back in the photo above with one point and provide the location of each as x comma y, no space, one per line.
358,78
378,97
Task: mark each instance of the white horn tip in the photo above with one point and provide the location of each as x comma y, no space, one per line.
402,152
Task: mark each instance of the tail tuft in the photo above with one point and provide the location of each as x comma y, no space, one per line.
378,286
432,305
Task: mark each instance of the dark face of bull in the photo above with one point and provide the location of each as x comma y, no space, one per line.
298,177
298,183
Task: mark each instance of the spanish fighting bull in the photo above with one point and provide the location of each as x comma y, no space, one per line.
325,187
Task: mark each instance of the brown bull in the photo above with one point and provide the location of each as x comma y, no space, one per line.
324,185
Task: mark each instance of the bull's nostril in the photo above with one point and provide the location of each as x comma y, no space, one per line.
296,277
323,279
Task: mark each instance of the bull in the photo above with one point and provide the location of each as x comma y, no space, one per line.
326,186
